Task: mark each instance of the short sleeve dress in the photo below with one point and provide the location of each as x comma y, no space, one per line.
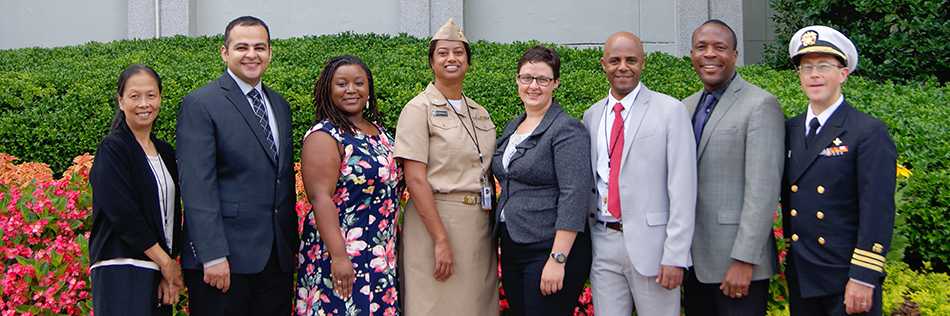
367,198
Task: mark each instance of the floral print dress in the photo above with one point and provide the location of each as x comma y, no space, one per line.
367,198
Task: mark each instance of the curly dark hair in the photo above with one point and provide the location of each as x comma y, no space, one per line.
323,104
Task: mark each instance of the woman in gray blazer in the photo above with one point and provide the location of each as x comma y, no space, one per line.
543,164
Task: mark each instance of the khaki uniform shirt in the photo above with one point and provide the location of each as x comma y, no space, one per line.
430,131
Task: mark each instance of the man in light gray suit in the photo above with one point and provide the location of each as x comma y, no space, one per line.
740,136
644,160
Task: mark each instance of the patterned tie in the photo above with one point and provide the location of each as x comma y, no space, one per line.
812,130
702,115
615,154
258,105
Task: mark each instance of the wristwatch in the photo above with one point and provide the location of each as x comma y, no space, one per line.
559,257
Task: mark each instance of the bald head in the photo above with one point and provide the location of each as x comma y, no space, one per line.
622,62
621,39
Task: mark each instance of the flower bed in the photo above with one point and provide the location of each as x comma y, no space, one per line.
44,231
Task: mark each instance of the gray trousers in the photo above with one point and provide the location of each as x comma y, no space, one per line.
617,286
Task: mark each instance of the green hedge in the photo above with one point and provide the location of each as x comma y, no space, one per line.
58,103
899,40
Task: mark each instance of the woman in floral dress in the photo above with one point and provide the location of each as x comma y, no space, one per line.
347,253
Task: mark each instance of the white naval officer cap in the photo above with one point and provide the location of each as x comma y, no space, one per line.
825,40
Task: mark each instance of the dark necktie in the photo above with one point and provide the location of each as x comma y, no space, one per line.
812,130
702,115
258,105
615,153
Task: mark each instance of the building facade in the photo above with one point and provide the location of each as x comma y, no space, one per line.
664,25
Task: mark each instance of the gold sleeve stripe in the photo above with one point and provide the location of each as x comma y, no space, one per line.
871,262
865,265
870,254
868,259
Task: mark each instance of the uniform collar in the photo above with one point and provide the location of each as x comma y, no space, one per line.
823,117
437,98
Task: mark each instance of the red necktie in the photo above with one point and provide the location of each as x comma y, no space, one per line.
615,154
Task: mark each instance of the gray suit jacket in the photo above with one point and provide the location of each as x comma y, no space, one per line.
657,180
740,172
547,185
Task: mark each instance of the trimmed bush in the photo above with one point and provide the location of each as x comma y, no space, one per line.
899,40
58,103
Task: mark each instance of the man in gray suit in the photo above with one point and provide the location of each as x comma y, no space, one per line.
644,160
739,134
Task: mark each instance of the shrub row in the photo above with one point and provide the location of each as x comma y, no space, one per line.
57,103
899,40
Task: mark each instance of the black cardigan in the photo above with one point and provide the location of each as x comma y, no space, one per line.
126,219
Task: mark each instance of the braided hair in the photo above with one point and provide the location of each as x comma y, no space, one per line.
323,106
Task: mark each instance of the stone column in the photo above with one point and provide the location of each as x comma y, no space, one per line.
175,18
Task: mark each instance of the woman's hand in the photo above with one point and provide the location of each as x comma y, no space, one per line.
168,293
552,277
444,261
343,276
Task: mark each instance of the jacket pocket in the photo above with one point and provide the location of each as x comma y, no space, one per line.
657,218
229,209
728,217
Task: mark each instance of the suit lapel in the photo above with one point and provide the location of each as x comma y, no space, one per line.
552,113
639,110
595,119
728,99
239,101
834,127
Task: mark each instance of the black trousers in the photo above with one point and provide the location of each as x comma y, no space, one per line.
707,299
521,267
126,290
269,292
829,305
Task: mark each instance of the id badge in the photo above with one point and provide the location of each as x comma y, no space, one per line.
486,194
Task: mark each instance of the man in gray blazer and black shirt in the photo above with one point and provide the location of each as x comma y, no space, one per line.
739,134
644,162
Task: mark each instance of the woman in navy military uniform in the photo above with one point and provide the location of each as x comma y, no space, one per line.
838,188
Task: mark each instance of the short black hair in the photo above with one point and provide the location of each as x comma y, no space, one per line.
735,40
246,20
323,106
542,54
118,121
468,52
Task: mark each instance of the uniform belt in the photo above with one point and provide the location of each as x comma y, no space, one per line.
618,226
467,198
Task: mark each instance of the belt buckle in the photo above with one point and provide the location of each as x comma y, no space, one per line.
470,200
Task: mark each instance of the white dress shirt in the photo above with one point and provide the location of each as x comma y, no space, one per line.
603,160
823,117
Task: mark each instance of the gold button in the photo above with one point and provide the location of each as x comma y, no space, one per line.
820,215
794,188
794,237
821,190
821,241
794,212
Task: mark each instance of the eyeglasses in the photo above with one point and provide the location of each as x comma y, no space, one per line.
527,79
822,68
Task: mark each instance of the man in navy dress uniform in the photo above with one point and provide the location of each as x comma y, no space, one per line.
838,188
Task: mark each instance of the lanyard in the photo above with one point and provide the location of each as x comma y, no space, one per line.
467,131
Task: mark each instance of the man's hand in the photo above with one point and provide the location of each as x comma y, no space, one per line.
735,283
670,277
219,276
857,297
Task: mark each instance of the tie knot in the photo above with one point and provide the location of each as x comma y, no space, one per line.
814,124
253,94
618,107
